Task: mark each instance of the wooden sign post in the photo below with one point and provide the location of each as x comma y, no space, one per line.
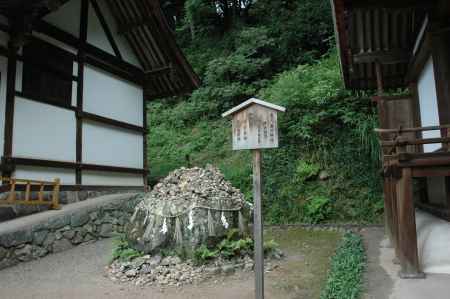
255,127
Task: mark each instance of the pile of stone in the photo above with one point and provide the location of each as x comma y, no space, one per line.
188,208
172,271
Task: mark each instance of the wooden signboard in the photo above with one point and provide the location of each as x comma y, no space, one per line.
255,127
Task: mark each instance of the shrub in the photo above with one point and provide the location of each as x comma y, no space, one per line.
122,250
345,277
317,209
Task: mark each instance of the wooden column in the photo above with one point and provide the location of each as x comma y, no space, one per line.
409,259
144,141
9,109
258,226
80,86
387,188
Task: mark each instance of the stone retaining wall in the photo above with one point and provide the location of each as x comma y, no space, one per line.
37,235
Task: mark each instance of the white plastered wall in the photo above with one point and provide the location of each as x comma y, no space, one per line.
108,145
66,176
112,179
429,113
43,131
67,17
96,35
109,96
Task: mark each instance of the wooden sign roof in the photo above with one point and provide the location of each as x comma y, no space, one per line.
250,102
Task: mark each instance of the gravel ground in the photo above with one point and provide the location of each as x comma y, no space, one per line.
80,273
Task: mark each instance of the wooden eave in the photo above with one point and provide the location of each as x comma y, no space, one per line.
166,71
370,32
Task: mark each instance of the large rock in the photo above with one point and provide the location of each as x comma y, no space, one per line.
186,209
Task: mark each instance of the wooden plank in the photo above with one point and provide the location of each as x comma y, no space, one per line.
258,226
408,251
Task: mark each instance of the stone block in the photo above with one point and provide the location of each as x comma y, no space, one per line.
15,238
39,237
61,245
79,219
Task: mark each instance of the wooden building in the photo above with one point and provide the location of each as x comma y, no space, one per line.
75,78
404,44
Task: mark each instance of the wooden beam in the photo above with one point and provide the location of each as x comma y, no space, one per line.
105,27
14,161
388,4
112,122
384,57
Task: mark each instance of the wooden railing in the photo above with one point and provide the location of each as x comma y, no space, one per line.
401,138
28,199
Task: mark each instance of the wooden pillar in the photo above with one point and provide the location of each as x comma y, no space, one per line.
258,226
408,253
144,141
9,107
388,223
80,86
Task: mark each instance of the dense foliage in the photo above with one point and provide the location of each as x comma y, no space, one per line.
347,269
327,166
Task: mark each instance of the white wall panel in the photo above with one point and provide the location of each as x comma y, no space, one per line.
95,34
111,179
429,113
3,79
108,145
107,95
124,48
67,17
43,131
67,176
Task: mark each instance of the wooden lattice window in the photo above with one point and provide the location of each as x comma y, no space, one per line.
47,73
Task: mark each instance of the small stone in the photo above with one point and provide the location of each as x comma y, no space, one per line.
131,273
61,245
228,269
146,269
3,253
93,216
69,234
24,253
248,266
39,251
165,261
212,270
106,230
78,238
155,260
176,260
49,240
89,228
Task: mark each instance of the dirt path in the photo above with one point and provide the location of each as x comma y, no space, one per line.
79,273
